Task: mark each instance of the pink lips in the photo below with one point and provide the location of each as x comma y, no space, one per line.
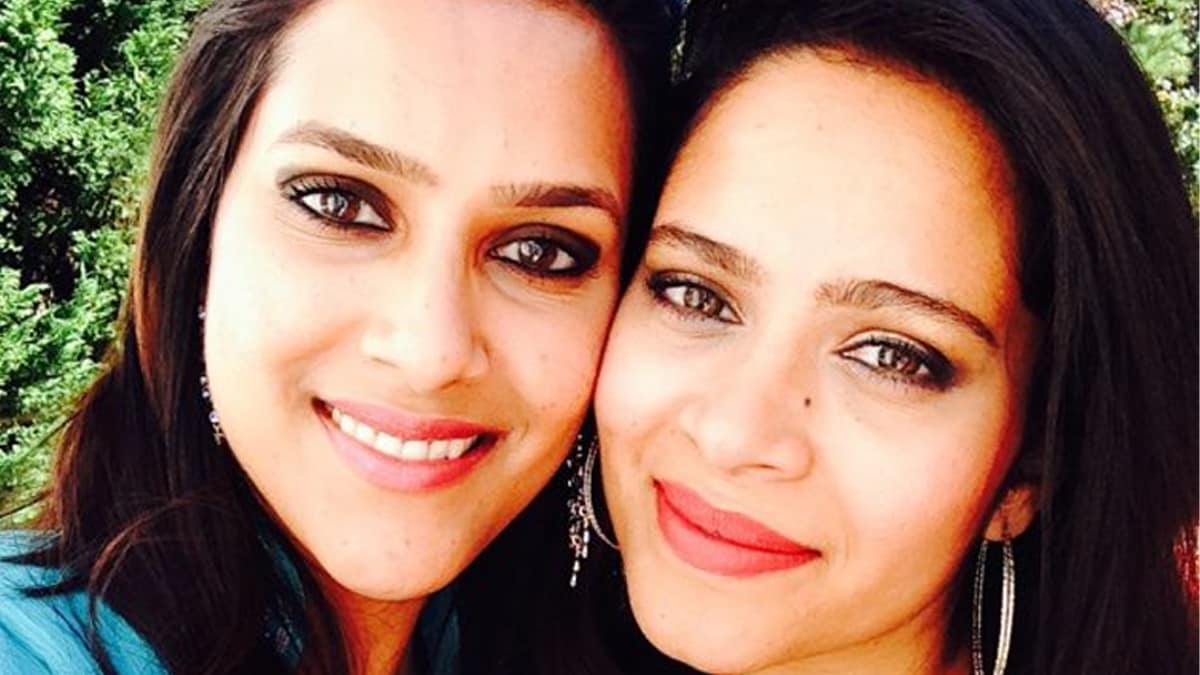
722,542
403,475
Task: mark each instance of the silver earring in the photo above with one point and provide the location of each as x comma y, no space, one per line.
213,420
1008,600
581,512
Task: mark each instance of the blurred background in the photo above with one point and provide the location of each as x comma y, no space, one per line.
79,87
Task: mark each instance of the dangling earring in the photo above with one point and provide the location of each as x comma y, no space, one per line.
213,420
1008,599
581,512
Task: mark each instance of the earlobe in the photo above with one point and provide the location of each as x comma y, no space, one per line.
1014,514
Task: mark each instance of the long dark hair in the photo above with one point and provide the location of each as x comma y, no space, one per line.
1108,251
150,515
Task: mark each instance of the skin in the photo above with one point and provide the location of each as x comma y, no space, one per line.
423,304
765,388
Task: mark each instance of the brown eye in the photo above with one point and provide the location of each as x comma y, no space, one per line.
546,250
341,207
899,360
690,298
697,299
890,358
337,201
334,205
537,255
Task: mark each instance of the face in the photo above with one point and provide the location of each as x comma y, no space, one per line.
412,276
813,388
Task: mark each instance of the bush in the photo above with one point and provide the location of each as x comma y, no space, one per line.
79,85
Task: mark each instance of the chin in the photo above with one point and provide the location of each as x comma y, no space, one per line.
389,578
717,647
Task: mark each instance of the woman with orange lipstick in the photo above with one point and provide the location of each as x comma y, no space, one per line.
380,251
906,381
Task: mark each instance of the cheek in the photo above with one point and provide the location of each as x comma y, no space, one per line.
632,388
548,355
913,502
274,297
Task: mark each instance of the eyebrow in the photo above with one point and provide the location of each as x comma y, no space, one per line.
360,151
876,294
724,256
380,158
558,195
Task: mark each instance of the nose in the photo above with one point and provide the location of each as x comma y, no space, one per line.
751,420
427,328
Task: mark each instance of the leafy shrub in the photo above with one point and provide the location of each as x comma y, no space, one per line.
79,85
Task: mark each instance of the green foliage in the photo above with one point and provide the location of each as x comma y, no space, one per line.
1163,36
79,85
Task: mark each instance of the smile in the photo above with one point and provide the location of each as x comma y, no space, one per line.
400,448
722,542
401,452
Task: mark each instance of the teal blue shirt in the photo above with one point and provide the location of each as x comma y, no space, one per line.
49,634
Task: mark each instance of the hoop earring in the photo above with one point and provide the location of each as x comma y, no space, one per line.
213,420
1008,600
581,511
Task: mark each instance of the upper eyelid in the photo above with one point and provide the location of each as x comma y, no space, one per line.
361,189
935,361
666,277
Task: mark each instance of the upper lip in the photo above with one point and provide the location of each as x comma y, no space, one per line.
408,426
729,526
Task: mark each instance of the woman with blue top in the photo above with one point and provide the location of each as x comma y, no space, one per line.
379,253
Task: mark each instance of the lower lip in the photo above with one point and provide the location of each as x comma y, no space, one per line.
402,475
718,556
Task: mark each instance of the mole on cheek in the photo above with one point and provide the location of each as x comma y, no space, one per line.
807,402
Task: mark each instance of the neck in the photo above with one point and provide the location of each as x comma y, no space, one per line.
377,633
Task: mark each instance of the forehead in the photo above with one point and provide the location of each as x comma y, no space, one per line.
882,172
446,81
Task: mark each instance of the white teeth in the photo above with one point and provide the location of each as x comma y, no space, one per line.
458,446
413,450
387,444
365,434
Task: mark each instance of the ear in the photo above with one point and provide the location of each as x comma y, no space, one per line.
1014,514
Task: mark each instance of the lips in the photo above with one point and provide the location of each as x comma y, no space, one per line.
722,542
402,452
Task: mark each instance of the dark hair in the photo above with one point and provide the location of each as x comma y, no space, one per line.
1108,251
151,516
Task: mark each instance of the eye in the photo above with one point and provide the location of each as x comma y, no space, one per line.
537,255
690,298
545,250
901,360
335,202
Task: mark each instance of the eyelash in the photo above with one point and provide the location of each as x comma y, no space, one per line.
660,285
550,240
911,364
299,190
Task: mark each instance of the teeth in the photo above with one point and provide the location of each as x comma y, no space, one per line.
365,434
415,450
458,446
450,448
387,444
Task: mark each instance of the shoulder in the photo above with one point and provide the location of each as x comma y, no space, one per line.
49,634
